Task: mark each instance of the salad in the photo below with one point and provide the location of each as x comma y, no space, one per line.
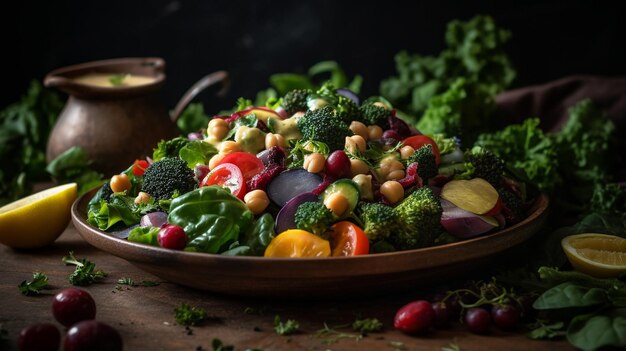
313,174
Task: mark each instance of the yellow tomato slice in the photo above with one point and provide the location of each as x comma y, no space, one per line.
297,243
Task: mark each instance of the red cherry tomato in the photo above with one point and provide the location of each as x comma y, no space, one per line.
139,167
347,239
248,164
229,176
417,141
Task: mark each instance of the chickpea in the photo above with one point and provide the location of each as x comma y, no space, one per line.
314,162
142,198
350,145
406,151
218,128
272,140
396,174
392,191
337,203
387,167
257,201
364,182
120,183
228,147
358,167
215,160
374,132
360,142
359,128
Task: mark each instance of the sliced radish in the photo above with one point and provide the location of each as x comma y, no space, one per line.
290,184
464,224
286,217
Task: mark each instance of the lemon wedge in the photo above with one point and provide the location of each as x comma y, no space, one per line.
37,220
599,255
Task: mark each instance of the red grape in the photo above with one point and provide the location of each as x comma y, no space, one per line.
414,317
505,316
39,337
477,320
338,165
73,305
172,237
92,335
441,314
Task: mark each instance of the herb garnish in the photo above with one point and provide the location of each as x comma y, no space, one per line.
118,79
84,273
331,335
367,325
187,315
40,281
131,282
287,328
453,346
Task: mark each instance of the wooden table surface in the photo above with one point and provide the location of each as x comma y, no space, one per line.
144,316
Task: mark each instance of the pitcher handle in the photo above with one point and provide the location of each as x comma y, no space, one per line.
205,82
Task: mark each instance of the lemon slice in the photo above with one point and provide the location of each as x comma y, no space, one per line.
599,255
37,220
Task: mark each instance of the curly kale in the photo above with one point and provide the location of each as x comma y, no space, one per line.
485,165
427,165
418,220
325,126
314,217
296,100
166,177
378,220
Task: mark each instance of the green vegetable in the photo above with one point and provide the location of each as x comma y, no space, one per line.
211,217
484,164
144,235
197,152
248,120
568,295
372,114
296,100
475,52
118,79
73,165
427,166
344,107
169,148
193,118
348,189
40,281
542,330
24,130
188,316
163,178
464,110
593,331
325,126
260,235
368,325
378,220
285,328
84,273
314,217
118,209
418,220
445,145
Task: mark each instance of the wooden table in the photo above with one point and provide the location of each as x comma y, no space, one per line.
144,316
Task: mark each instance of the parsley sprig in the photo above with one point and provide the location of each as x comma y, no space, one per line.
40,281
288,327
187,315
84,273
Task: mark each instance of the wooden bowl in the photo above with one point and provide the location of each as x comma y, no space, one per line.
312,278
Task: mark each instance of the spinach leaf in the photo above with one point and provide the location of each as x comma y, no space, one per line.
119,208
192,118
591,332
73,165
144,235
547,331
555,277
570,295
211,216
197,152
260,235
237,251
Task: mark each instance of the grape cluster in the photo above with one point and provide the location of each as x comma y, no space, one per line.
479,307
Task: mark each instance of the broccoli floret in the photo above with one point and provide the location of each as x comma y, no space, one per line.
378,220
417,220
167,176
486,165
344,107
296,100
325,126
372,113
314,217
427,165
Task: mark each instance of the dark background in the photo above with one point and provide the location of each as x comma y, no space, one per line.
253,39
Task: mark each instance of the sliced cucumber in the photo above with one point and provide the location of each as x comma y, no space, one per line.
346,187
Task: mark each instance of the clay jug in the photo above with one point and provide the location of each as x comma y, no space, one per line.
119,122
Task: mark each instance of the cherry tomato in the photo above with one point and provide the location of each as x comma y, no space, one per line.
297,243
417,141
414,317
248,164
139,167
347,239
229,176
